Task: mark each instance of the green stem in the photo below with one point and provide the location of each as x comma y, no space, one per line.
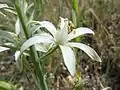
34,56
20,15
49,53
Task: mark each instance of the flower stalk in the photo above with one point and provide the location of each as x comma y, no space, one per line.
39,75
49,53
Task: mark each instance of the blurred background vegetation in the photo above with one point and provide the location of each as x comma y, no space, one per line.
102,16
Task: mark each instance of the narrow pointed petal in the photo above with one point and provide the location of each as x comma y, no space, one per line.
79,31
69,58
34,40
49,26
64,26
88,50
62,22
62,33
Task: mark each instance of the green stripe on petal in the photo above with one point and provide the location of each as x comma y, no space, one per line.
69,58
88,50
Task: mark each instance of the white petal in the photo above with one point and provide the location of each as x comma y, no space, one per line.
61,36
62,22
93,55
79,31
3,49
49,26
64,26
34,40
69,58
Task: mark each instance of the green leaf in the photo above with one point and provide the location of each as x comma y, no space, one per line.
88,50
2,14
74,18
10,10
19,64
6,35
34,40
3,6
3,49
19,61
41,47
24,6
107,88
31,16
79,31
17,55
6,86
69,58
8,2
7,8
75,5
18,27
34,29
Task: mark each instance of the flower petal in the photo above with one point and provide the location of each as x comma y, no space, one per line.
61,35
69,58
93,55
63,25
79,31
49,26
34,40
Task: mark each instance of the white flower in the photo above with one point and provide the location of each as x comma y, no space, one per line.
63,40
